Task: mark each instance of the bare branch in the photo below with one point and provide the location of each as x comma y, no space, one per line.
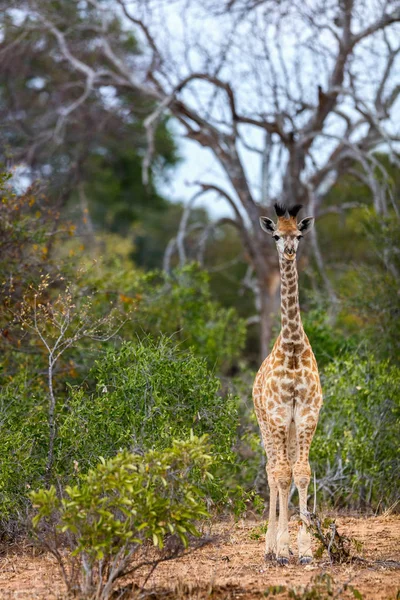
340,208
208,231
246,237
309,93
156,61
318,256
169,251
382,23
180,238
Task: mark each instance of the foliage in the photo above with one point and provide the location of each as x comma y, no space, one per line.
59,323
116,508
26,224
370,292
355,451
177,304
88,152
181,303
258,532
144,395
23,441
326,339
139,397
55,313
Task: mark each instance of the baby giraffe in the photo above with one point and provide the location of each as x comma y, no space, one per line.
287,396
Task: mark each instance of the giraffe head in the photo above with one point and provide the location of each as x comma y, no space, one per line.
287,232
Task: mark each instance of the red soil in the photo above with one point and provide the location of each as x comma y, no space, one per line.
234,567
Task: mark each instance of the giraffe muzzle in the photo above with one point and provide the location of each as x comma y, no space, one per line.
289,254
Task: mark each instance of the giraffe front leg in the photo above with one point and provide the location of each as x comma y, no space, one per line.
283,476
301,475
270,537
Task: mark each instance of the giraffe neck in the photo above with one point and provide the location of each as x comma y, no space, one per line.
292,327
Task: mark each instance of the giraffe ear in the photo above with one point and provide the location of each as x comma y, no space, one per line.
306,225
267,225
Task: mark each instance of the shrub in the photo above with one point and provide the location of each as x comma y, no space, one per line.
181,304
370,289
137,397
145,395
26,224
355,450
177,304
109,518
327,340
23,444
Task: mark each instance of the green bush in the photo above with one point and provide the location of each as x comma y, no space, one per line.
177,304
139,397
181,304
370,289
23,443
355,451
327,339
373,303
117,507
144,395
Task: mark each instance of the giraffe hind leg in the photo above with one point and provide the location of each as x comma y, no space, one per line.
301,474
270,536
283,478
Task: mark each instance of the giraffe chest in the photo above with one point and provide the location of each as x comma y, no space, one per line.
288,394
288,382
290,378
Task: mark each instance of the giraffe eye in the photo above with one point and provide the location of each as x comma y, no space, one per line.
276,237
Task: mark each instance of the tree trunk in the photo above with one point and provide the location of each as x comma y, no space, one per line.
269,287
51,422
265,323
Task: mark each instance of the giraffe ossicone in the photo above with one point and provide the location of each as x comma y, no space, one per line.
287,396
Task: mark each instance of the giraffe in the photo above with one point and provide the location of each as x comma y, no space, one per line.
287,396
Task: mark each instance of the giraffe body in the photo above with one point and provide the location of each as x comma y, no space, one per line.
287,399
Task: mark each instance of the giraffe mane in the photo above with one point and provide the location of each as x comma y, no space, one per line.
280,209
295,210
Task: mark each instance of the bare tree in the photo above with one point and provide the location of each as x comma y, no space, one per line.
287,96
58,325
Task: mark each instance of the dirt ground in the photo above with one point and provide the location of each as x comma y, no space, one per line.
234,567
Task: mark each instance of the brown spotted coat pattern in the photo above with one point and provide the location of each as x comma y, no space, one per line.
287,398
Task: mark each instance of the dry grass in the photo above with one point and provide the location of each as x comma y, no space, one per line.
234,568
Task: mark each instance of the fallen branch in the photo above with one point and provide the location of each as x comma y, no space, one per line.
338,546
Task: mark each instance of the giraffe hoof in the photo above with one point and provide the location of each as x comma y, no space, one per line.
282,561
269,556
305,560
